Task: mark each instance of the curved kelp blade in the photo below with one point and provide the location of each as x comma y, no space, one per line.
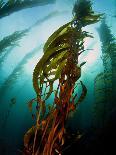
55,35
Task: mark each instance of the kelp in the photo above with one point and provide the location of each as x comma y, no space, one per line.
59,62
6,54
8,43
18,70
103,107
106,37
83,11
11,6
47,17
11,40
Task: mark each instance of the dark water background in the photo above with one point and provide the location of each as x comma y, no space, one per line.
16,75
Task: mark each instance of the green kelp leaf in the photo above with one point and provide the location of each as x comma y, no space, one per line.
37,72
61,39
48,55
52,52
93,17
55,61
55,35
83,63
59,70
57,76
40,65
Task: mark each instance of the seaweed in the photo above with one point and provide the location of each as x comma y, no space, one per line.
105,104
11,40
8,43
11,6
50,15
59,62
106,36
6,53
18,70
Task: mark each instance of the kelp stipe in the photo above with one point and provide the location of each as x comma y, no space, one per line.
59,62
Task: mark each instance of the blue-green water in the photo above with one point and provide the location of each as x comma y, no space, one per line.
16,68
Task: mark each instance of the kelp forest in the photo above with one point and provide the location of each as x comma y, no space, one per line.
70,81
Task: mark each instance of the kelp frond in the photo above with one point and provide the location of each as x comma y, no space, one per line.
49,16
6,53
106,36
18,70
84,14
11,6
11,40
82,8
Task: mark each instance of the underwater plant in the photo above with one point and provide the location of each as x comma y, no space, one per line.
105,82
47,17
58,63
7,44
18,70
106,36
108,50
3,57
10,41
11,6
